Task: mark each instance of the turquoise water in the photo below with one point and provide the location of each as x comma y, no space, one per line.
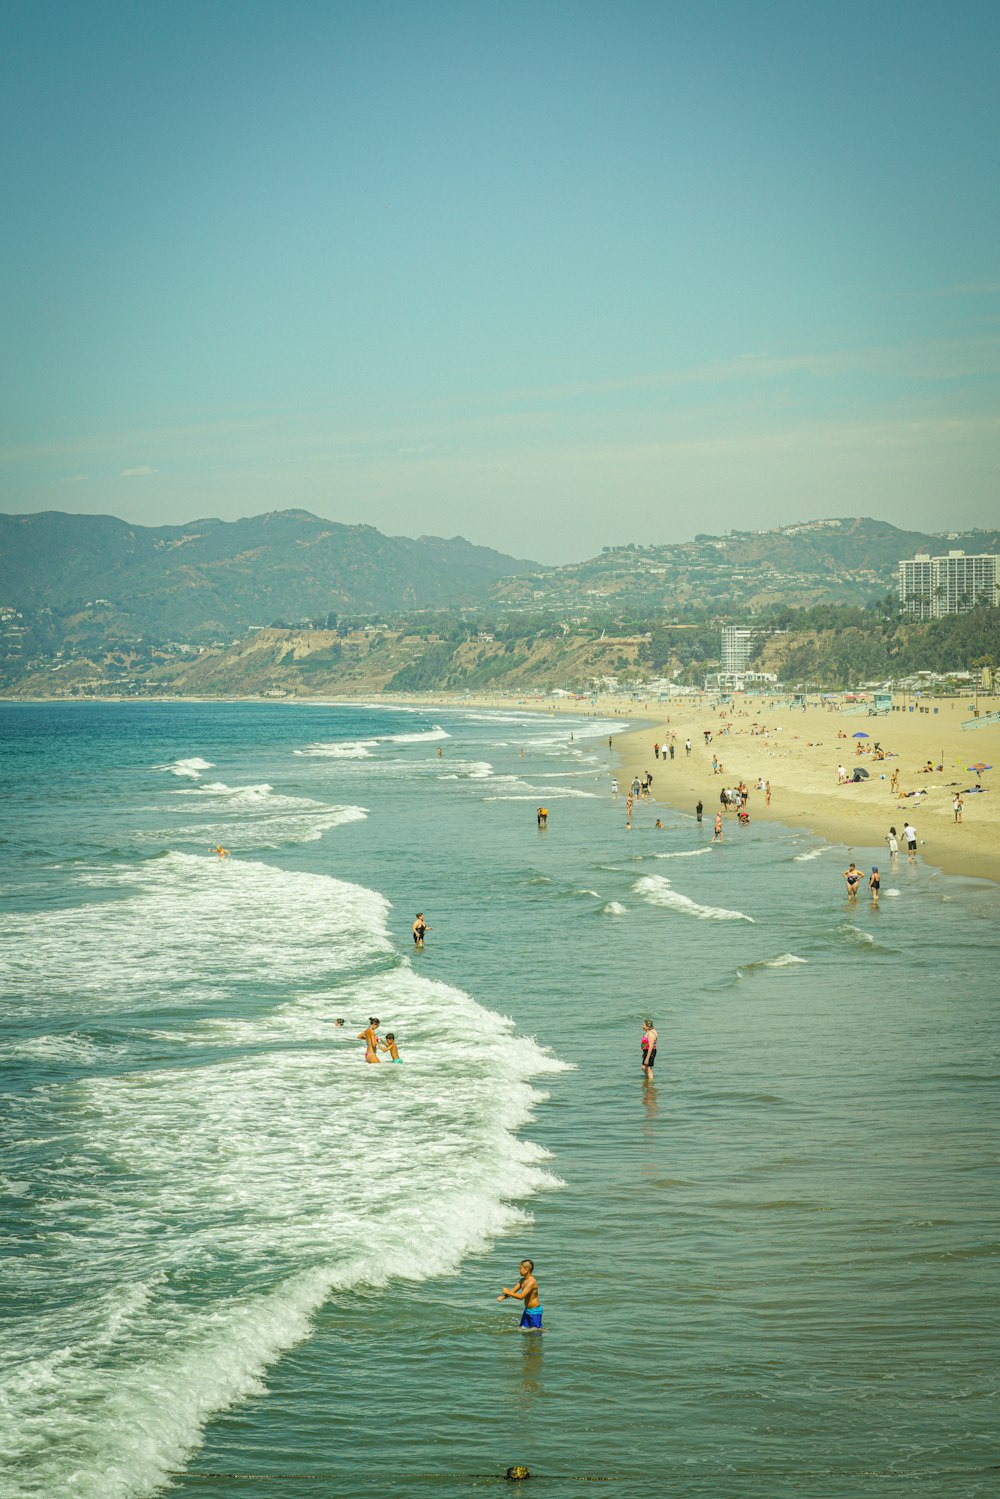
233,1249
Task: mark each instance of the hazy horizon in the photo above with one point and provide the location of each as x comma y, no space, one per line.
550,278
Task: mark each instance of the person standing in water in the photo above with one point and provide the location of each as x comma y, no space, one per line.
853,878
648,1045
419,928
874,881
526,1290
717,836
370,1038
699,809
389,1045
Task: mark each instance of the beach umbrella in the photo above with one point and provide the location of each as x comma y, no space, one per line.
860,734
979,766
862,773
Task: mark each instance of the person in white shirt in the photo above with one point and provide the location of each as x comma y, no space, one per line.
910,834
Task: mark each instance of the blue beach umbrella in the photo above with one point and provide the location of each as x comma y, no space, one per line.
860,734
979,766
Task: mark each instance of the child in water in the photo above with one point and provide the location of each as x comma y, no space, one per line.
389,1045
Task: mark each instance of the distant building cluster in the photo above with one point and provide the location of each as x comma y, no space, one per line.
930,587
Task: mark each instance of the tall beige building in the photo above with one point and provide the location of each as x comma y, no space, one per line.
932,586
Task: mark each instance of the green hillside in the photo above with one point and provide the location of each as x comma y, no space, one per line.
215,578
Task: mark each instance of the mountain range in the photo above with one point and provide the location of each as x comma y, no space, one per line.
214,578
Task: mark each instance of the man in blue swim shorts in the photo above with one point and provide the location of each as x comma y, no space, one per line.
526,1290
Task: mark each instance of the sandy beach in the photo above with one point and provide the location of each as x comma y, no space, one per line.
800,754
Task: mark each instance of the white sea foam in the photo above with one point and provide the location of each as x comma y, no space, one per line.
812,853
336,751
253,817
467,770
657,891
685,853
855,934
199,1201
614,908
360,749
784,960
191,768
550,793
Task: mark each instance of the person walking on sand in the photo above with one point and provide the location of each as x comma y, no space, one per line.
910,834
687,746
853,878
526,1290
370,1037
894,782
874,881
419,928
767,793
647,1044
957,806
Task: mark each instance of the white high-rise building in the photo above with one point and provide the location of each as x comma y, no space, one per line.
930,587
737,648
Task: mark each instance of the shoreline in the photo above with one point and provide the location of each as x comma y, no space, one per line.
799,755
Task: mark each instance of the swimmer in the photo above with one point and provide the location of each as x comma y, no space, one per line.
853,878
648,1044
369,1037
874,881
389,1045
658,823
338,1022
216,848
526,1290
419,928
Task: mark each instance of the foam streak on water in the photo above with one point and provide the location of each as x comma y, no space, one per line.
197,1196
657,890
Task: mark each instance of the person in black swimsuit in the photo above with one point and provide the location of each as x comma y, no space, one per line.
648,1045
419,928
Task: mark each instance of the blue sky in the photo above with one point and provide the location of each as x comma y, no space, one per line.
551,275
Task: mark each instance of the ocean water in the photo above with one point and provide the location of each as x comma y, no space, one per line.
240,1261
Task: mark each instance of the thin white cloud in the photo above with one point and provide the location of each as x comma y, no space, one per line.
137,473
